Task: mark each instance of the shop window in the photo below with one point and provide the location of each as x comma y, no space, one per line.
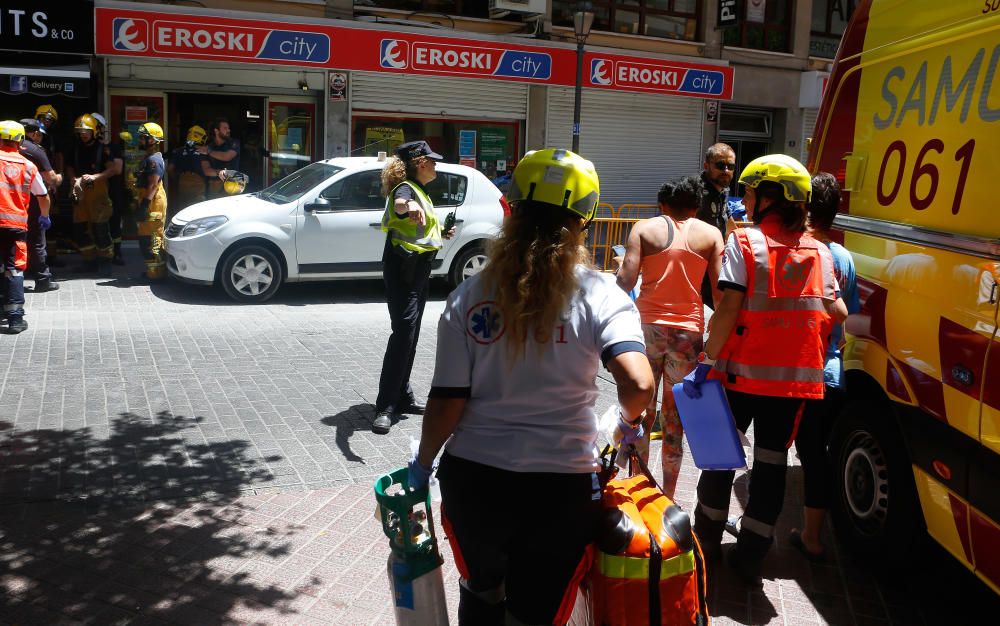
764,25
745,123
492,147
829,20
669,19
466,8
361,191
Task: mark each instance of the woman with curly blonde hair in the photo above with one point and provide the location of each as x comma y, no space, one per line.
413,237
514,390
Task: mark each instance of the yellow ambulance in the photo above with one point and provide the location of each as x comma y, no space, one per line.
910,125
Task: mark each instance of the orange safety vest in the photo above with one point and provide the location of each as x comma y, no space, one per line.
648,569
778,345
16,174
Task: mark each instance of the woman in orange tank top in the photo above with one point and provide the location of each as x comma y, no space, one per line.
673,252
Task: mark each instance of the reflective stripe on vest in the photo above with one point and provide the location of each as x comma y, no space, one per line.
779,344
637,568
405,233
16,174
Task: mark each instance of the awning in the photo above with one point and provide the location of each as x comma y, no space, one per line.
71,81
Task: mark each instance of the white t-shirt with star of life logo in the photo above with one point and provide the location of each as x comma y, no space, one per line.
535,414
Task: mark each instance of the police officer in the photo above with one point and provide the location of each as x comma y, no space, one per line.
780,300
187,162
223,153
37,246
19,180
412,240
90,169
151,200
114,152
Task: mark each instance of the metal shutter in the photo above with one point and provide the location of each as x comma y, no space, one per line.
439,95
808,125
637,141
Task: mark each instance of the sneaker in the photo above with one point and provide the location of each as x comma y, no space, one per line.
382,423
16,325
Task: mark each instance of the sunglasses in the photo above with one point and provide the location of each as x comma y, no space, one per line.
722,165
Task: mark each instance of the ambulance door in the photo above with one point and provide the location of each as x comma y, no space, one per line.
984,479
291,136
129,110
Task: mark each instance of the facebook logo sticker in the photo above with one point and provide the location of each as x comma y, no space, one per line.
18,84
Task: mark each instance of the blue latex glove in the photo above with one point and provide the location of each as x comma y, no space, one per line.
44,222
693,381
630,434
418,476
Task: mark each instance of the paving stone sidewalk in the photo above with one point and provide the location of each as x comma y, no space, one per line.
168,457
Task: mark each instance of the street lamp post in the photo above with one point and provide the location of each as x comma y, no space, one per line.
583,19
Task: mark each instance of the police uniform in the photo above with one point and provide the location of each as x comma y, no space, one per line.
149,223
19,179
215,187
37,245
191,183
93,209
406,268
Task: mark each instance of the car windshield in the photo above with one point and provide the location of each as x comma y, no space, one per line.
291,187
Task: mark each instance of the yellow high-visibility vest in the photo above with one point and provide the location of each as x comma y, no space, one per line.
403,232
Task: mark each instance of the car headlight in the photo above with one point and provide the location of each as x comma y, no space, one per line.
203,225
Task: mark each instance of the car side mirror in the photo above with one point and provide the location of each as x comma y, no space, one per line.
319,204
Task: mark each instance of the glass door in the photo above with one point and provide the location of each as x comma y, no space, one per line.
292,137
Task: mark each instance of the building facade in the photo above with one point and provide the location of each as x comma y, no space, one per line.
482,81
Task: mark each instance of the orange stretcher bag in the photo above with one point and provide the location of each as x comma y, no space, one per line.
648,569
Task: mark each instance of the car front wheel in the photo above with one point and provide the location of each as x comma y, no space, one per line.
469,262
251,274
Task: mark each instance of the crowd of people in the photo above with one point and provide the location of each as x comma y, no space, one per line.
511,405
92,174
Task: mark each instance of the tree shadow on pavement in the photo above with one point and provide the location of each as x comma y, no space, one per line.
346,423
141,524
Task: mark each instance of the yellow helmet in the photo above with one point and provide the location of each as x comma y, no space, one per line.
11,131
46,110
781,169
197,135
101,122
235,182
125,136
85,122
557,177
151,129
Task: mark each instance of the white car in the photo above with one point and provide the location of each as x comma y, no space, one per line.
323,222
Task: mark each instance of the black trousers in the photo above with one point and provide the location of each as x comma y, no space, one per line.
811,443
117,195
407,278
774,421
519,548
38,258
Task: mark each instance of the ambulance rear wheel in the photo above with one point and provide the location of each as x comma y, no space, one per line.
875,508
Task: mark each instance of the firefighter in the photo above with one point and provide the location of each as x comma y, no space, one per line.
90,169
768,338
513,395
186,162
38,266
114,151
151,201
19,180
49,117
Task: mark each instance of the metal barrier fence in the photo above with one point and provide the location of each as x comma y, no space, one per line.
612,226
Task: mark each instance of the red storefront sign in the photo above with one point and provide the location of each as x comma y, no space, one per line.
123,32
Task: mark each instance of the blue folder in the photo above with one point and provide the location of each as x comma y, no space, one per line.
711,431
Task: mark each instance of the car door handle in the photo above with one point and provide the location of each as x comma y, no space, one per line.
375,225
